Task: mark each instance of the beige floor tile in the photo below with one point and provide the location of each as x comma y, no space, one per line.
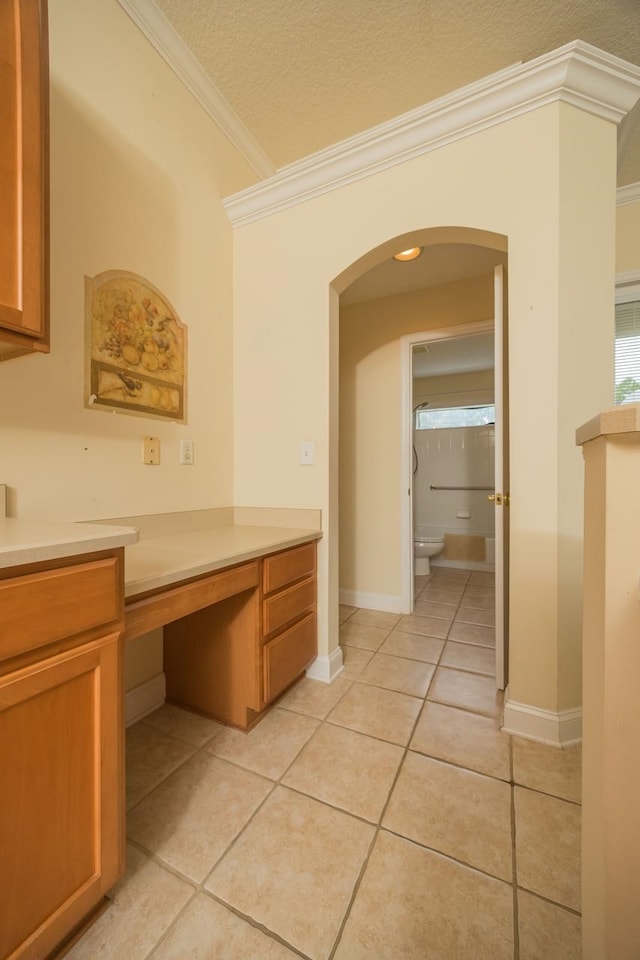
354,661
313,697
270,747
547,932
208,931
414,904
347,770
483,602
344,612
150,757
423,626
421,580
482,578
548,846
145,903
379,713
191,818
466,739
469,656
457,812
396,673
451,594
362,635
466,614
473,633
413,646
548,769
443,611
467,690
475,591
440,574
375,618
294,869
182,724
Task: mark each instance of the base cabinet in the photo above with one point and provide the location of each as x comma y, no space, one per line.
61,789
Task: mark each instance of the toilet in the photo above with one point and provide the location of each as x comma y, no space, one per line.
423,549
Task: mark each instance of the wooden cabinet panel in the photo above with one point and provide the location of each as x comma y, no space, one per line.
288,605
24,269
284,568
51,605
285,657
61,794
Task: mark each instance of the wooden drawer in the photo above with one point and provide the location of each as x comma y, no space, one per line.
41,608
288,655
287,605
284,568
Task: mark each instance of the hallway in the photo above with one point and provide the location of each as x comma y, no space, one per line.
382,816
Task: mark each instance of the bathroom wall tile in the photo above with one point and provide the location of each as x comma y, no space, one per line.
460,813
396,673
413,646
270,747
413,903
475,615
467,690
548,769
469,656
466,739
314,698
547,932
548,846
294,869
150,757
379,713
361,635
145,903
191,818
337,762
182,724
208,931
472,633
375,618
354,661
427,626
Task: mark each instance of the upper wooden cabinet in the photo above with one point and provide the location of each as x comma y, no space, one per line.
24,178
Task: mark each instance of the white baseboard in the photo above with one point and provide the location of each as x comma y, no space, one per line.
326,668
563,729
389,602
144,699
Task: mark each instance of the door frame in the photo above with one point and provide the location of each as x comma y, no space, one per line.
407,343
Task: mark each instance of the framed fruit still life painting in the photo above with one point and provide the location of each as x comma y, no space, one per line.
136,348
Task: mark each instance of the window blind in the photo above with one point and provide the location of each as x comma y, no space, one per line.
627,352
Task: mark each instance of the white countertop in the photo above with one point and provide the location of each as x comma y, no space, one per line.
156,562
30,541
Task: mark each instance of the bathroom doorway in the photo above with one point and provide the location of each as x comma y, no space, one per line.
455,498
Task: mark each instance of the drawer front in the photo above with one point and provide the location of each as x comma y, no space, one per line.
287,567
288,655
41,608
287,605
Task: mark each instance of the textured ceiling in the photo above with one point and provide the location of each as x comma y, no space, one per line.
304,74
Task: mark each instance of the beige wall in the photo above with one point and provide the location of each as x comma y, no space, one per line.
136,168
628,237
371,412
455,389
546,181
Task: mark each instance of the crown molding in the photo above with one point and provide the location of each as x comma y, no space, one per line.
161,35
628,194
577,73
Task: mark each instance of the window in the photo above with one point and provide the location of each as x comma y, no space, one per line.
627,344
440,419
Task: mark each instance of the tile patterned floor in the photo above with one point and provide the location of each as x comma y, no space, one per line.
385,815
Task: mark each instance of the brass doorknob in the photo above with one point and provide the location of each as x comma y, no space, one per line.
500,499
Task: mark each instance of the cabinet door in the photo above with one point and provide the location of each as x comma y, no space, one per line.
23,176
61,794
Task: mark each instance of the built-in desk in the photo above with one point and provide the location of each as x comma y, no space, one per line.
238,607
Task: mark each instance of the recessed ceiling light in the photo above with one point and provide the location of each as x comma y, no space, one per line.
411,254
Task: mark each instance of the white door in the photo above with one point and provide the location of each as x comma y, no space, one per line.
501,496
